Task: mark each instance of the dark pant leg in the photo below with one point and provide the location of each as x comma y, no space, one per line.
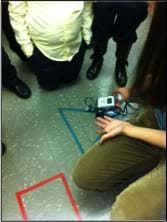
103,21
102,28
8,70
129,17
73,68
48,72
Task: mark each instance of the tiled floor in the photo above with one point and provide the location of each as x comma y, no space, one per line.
43,140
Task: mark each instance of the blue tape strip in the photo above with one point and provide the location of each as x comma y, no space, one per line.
97,138
61,111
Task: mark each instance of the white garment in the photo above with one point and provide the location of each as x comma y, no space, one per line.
56,28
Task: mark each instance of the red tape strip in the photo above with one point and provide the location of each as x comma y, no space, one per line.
42,183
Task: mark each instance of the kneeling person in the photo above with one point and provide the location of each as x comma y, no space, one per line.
53,36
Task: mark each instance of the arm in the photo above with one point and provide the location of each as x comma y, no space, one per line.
112,127
87,18
151,7
152,136
17,14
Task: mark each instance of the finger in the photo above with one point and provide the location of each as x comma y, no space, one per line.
108,118
100,124
102,120
115,132
104,138
100,132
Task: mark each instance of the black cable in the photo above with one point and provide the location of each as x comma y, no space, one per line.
129,104
90,104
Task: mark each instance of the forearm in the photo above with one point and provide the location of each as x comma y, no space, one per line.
17,14
87,18
152,136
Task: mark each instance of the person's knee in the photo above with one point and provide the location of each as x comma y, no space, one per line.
124,209
143,199
48,82
85,177
88,179
70,78
79,177
48,85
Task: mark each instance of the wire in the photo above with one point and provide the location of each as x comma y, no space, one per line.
90,104
129,104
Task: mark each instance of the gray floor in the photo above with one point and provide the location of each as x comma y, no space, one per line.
41,145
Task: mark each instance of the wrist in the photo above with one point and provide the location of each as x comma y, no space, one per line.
128,129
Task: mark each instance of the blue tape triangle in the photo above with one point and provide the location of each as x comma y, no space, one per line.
69,125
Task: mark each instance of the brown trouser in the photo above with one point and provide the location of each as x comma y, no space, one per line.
123,160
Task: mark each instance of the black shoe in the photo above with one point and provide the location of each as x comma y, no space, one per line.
120,72
3,148
19,88
94,69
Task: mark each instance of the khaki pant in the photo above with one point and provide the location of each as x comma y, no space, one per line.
123,160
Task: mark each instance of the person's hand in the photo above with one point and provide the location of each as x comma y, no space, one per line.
125,92
151,7
111,127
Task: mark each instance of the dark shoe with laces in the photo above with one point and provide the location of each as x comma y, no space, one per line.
94,69
19,88
120,72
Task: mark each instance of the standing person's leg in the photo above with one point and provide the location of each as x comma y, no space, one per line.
143,199
10,79
99,49
3,148
102,30
129,17
8,70
118,160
